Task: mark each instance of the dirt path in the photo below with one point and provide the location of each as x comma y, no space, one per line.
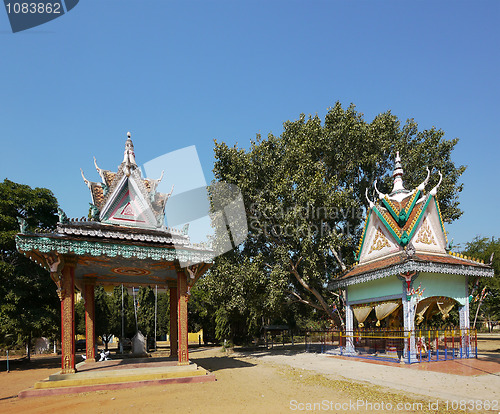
246,383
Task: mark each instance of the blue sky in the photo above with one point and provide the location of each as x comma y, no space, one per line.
185,73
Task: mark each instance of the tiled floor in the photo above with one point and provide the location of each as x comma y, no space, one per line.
465,367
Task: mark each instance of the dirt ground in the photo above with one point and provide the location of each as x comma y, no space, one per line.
277,381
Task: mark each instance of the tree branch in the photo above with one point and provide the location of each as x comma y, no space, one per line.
306,302
317,295
338,257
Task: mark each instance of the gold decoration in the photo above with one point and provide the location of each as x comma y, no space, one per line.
425,234
183,295
379,242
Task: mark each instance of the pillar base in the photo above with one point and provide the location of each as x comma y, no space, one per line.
68,371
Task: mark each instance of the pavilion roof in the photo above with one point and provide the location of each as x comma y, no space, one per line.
124,239
401,263
125,197
404,231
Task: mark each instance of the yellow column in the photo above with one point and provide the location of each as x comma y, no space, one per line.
90,321
67,297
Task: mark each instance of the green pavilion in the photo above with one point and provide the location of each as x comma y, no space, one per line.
404,271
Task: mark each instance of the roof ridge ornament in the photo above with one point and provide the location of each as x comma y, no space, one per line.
129,156
421,187
380,195
370,202
434,190
87,182
97,167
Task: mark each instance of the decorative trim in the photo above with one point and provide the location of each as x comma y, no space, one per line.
412,266
436,202
363,237
96,248
387,225
380,299
166,237
404,237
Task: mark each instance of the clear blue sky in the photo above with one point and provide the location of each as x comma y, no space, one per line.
185,73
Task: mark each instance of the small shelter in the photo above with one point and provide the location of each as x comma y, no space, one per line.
124,241
404,245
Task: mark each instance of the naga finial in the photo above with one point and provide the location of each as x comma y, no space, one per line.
380,195
63,218
434,190
96,166
371,204
23,225
87,182
424,183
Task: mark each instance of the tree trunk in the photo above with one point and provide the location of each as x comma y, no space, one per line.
28,348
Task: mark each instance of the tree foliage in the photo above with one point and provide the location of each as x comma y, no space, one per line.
486,249
29,305
304,194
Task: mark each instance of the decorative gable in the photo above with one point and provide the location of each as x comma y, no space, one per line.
379,242
127,206
430,235
125,198
403,218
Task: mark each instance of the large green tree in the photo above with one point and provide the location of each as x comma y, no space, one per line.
488,250
304,194
29,305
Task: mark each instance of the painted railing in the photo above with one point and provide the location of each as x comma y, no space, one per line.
425,345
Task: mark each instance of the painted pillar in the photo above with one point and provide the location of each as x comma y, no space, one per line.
67,297
182,294
89,296
409,308
173,321
349,344
463,313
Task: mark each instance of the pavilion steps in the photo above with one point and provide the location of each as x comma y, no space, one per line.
118,378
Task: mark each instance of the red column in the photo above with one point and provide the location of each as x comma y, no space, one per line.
90,321
67,296
173,321
182,318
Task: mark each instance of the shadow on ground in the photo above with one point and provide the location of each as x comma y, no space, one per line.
22,364
218,363
262,352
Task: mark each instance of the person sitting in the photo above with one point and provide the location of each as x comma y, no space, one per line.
104,356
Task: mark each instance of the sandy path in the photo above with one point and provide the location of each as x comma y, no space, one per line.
248,383
430,384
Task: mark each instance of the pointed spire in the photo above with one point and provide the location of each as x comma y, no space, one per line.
397,174
129,156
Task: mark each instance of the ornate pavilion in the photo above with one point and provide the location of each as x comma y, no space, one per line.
404,244
124,241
